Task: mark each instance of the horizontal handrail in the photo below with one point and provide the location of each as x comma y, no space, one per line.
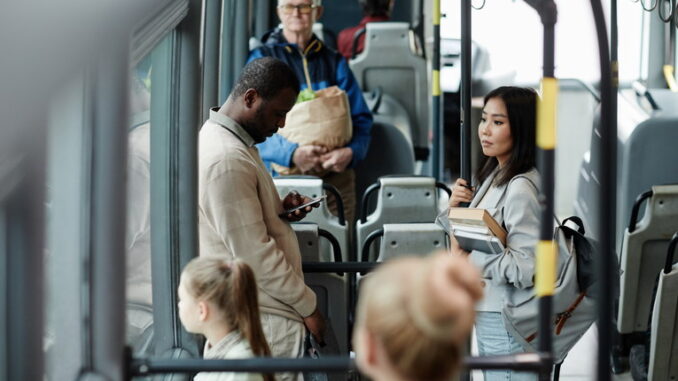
332,267
147,366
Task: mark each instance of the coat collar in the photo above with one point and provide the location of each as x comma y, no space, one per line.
495,194
276,37
231,125
493,197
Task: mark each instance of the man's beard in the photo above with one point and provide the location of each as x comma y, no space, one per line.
253,125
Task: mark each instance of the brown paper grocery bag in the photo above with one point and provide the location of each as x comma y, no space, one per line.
324,121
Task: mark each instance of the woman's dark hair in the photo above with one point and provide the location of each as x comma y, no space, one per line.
521,106
375,8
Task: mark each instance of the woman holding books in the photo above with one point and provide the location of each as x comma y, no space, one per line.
506,185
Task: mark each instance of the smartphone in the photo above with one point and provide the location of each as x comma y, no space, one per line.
302,206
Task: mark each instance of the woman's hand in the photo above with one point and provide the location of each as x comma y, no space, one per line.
461,192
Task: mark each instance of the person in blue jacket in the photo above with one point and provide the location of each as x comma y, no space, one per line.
296,45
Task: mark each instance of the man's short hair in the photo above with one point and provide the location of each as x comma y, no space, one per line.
268,76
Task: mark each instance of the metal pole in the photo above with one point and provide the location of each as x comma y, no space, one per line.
465,111
547,253
465,128
106,275
210,64
438,133
608,195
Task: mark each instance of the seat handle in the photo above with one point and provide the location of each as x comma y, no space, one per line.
340,202
366,199
636,208
444,187
365,252
336,248
356,38
669,254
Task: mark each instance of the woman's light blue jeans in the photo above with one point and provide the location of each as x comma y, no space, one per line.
493,339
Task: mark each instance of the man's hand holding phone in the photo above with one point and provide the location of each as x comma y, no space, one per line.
297,206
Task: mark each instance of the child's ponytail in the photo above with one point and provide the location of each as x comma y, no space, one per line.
231,286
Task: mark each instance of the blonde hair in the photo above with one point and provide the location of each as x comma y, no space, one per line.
422,311
231,286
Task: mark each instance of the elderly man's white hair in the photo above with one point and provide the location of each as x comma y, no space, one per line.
315,2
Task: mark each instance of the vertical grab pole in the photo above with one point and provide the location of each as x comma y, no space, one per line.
465,107
465,128
608,193
436,120
547,252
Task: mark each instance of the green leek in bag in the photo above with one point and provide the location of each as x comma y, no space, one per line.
306,95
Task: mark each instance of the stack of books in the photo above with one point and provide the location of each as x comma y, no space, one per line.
476,229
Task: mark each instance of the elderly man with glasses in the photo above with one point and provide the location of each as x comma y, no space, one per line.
296,45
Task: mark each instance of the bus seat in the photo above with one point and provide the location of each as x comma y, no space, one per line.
331,289
314,187
664,331
399,240
387,110
647,156
139,328
388,62
643,255
400,199
389,154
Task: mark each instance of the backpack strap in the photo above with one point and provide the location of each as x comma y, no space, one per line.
522,176
561,319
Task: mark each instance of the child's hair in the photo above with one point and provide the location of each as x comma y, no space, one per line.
230,285
422,318
521,106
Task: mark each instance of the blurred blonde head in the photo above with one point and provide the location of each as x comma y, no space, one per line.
414,317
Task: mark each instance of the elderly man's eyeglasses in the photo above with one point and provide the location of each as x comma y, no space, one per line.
303,8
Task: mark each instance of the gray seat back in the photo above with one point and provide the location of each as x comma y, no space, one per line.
387,110
312,186
643,255
647,156
331,289
664,333
390,153
401,199
411,239
388,62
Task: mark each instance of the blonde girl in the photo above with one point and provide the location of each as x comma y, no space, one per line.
218,299
414,316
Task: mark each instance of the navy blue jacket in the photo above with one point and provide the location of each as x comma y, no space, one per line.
326,68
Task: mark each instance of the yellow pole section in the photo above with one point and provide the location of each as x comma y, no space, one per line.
670,79
546,114
436,12
545,278
435,89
